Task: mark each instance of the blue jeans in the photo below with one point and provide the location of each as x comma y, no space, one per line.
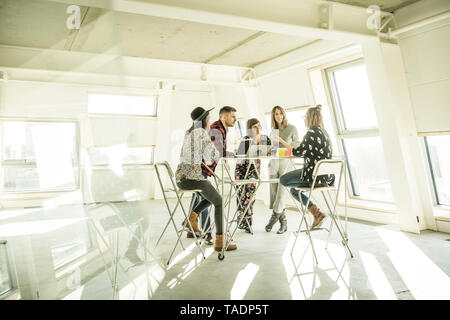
293,180
205,219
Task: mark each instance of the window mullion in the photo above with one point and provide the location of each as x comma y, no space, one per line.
337,113
430,164
350,177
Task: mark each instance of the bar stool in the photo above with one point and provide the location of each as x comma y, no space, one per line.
173,188
334,167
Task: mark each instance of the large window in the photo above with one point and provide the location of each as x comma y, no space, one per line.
357,131
368,173
353,97
438,154
5,276
38,156
241,128
122,104
296,117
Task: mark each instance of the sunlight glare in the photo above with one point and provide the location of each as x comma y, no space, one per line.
243,281
424,279
376,277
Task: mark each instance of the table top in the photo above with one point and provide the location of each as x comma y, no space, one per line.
259,157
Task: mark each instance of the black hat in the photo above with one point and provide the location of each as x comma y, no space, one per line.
199,113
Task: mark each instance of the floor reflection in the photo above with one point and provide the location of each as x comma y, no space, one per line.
329,279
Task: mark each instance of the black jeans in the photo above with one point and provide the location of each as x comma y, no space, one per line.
292,180
209,195
205,218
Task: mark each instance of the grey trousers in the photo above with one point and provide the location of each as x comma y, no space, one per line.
209,196
277,192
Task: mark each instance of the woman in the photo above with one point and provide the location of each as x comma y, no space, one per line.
315,146
197,146
284,134
244,170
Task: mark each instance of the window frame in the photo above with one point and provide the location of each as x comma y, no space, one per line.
336,102
122,115
430,169
341,132
32,163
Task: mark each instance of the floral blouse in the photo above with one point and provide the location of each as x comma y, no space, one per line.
314,147
197,147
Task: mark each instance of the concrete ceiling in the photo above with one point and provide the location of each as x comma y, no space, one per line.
42,24
385,5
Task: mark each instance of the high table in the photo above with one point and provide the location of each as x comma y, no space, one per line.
226,177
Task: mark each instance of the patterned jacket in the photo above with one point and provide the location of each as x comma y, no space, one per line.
314,147
218,135
197,147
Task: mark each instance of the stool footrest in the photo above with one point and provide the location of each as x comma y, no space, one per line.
315,229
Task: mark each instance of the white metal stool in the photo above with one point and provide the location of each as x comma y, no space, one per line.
334,167
179,193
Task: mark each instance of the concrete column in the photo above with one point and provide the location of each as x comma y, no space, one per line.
398,134
162,150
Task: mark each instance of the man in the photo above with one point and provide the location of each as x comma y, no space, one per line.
218,134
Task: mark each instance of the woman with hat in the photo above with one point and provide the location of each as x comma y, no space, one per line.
197,147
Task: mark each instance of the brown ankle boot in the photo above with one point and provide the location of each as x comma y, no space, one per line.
193,220
218,244
318,216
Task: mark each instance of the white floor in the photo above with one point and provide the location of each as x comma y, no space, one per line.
387,264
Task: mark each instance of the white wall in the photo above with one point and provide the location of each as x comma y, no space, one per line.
425,54
287,89
33,100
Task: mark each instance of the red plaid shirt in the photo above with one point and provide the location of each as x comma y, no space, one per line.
218,135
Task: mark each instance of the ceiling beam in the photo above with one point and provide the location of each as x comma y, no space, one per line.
23,63
286,52
291,17
237,45
303,57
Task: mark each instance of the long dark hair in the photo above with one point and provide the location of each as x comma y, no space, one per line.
199,124
284,123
